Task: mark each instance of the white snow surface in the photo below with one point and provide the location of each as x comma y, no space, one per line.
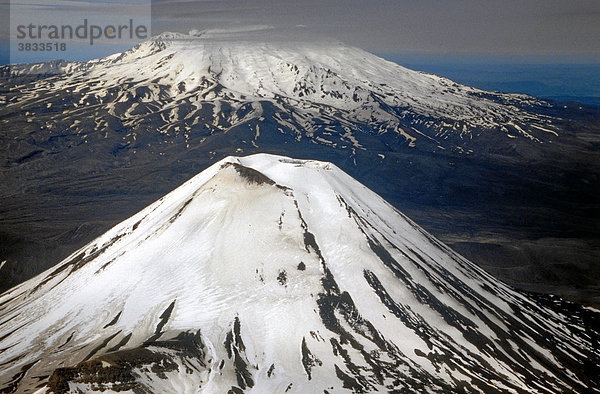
227,246
324,82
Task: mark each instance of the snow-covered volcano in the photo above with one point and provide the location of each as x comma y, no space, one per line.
268,274
327,92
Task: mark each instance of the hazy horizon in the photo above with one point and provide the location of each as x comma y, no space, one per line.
554,31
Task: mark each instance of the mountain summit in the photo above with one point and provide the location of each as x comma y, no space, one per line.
327,92
270,274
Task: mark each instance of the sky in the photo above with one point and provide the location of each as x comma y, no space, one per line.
562,28
475,30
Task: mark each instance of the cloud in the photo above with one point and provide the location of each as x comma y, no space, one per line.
434,26
230,30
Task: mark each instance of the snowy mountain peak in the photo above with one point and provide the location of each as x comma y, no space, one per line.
270,274
329,93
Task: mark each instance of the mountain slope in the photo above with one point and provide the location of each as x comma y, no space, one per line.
178,79
270,274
